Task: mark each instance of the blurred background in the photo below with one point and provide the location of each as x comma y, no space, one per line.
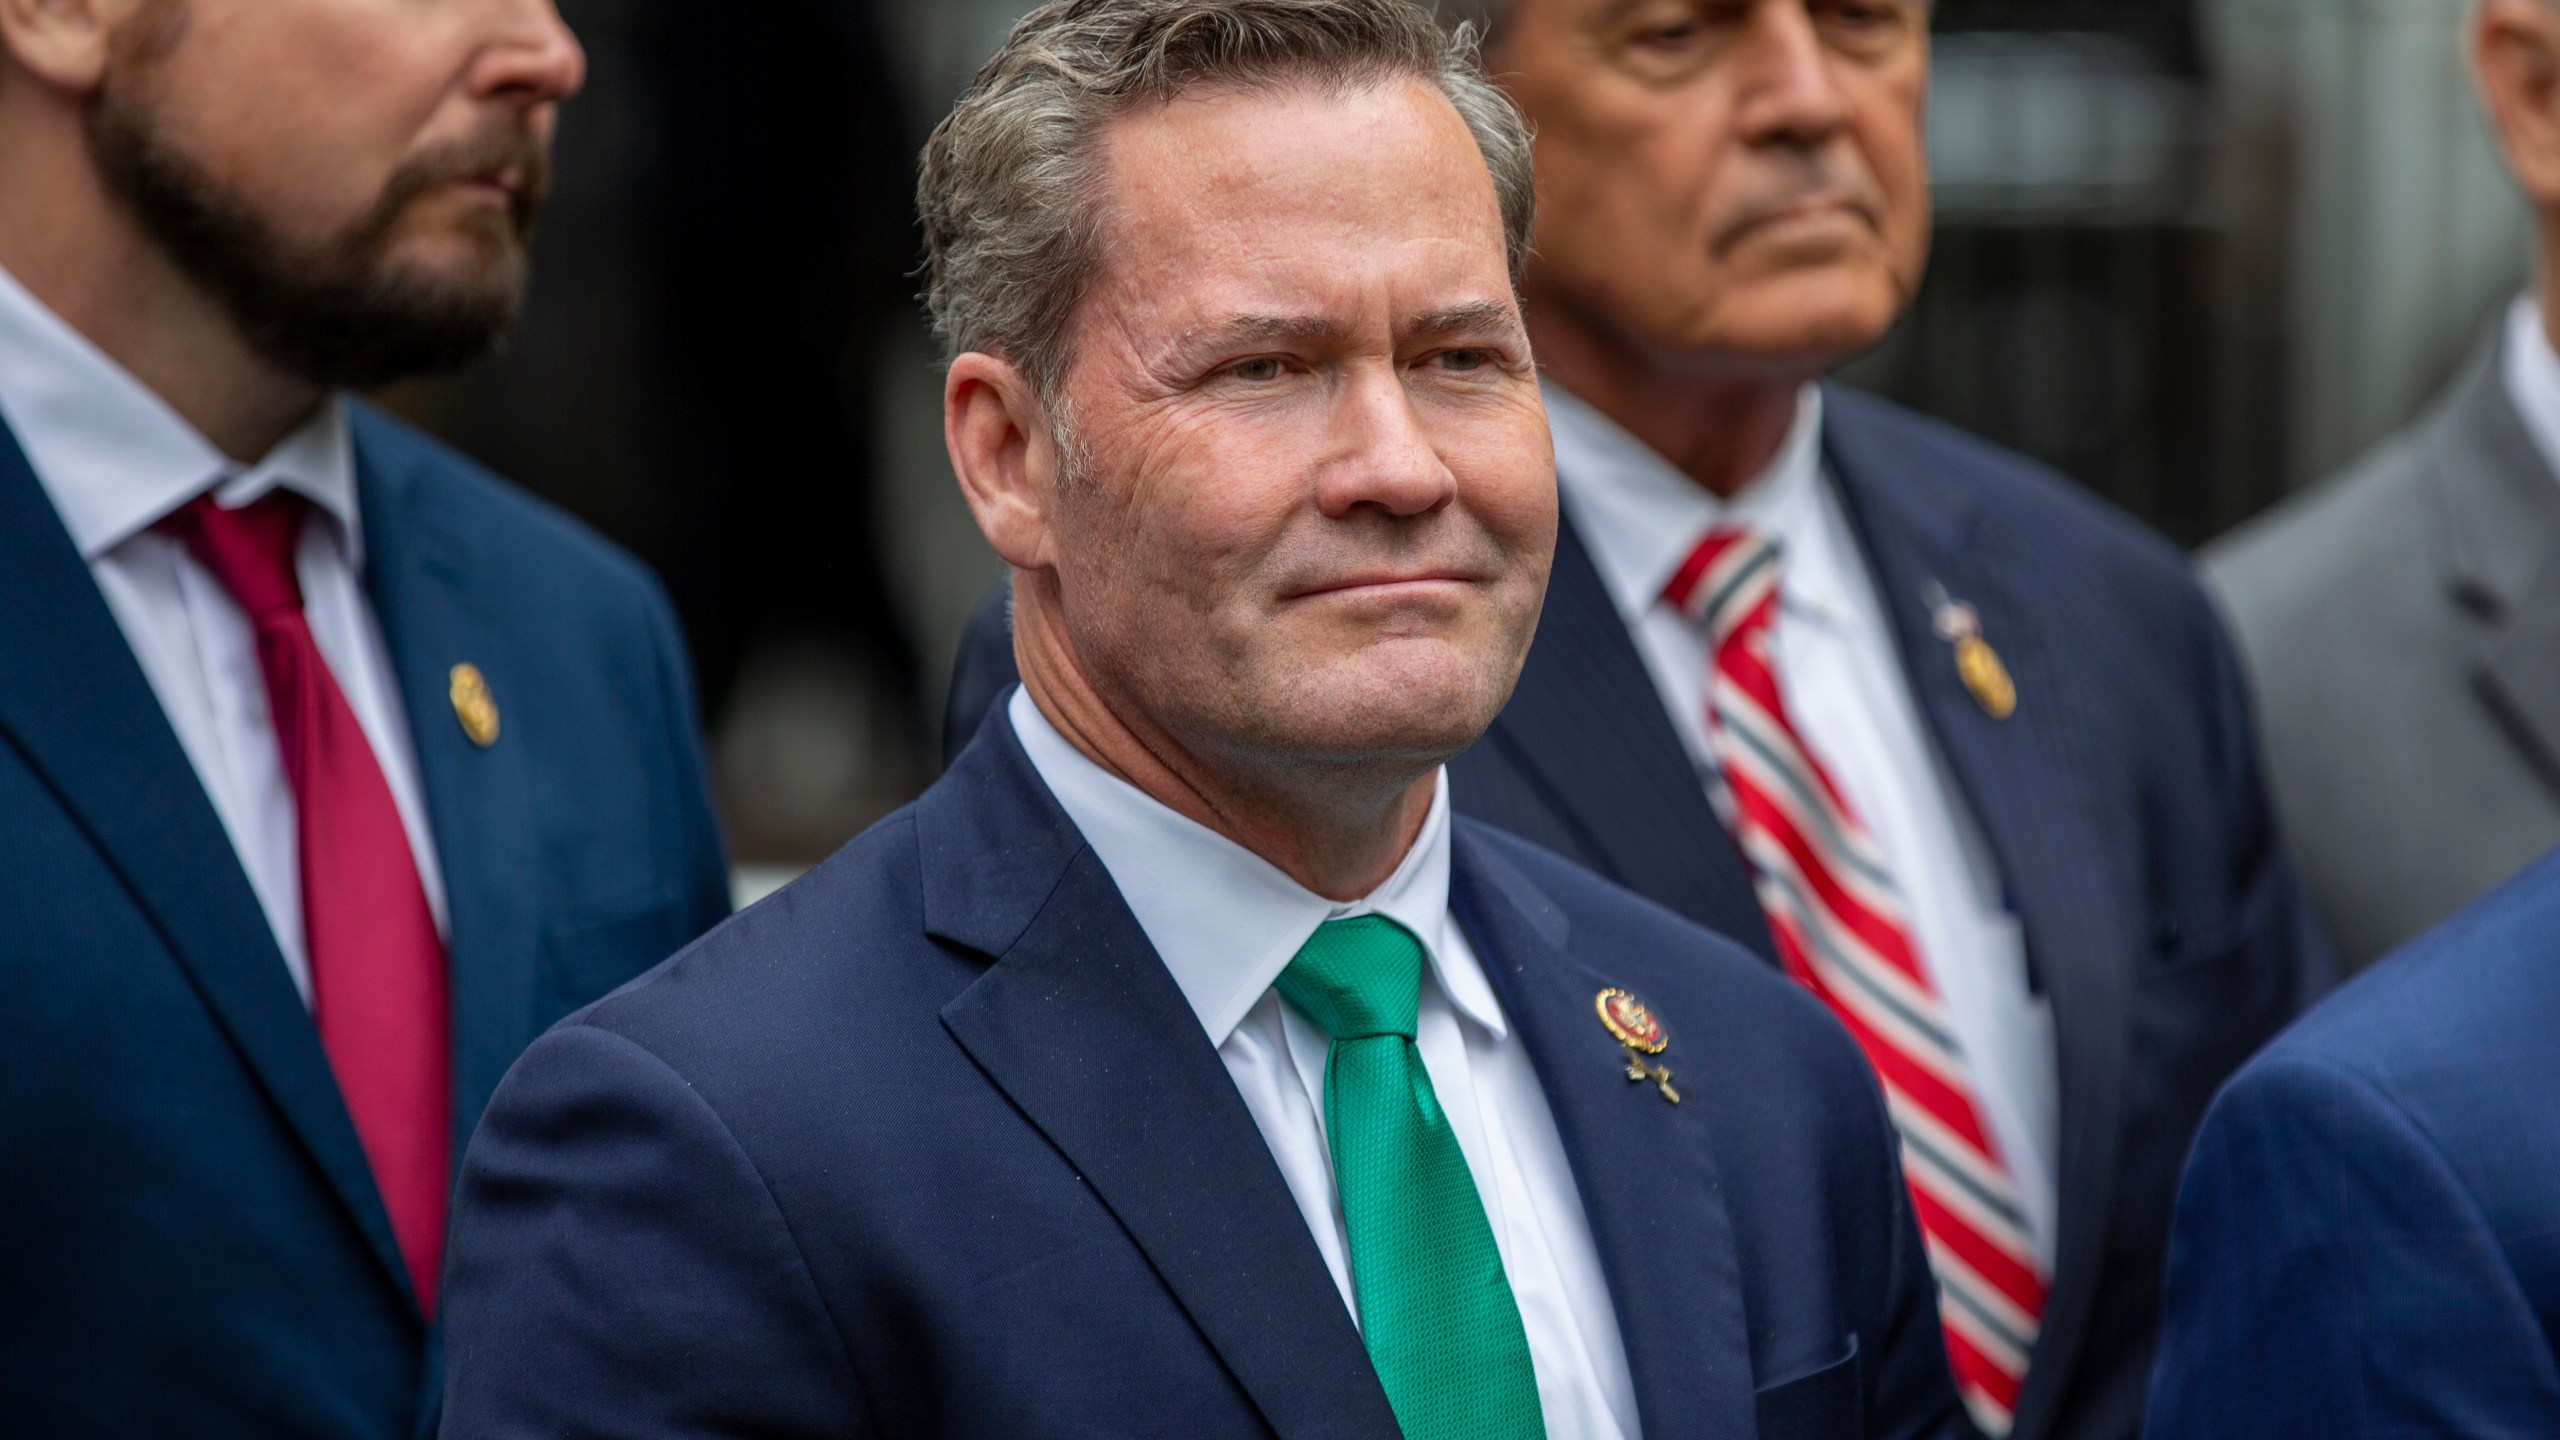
2195,253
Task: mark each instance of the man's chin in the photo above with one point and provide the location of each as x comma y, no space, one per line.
1816,316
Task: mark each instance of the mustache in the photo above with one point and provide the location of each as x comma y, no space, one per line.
505,153
1810,177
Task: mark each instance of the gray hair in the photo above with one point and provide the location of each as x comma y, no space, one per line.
1011,191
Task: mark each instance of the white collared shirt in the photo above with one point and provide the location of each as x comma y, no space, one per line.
1849,697
1227,922
2531,374
115,460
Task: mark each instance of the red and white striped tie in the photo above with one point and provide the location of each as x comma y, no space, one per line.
1840,927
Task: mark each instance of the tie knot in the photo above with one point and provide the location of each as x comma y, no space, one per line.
1729,583
250,550
1356,978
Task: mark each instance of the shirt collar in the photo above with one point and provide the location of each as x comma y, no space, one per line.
1641,516
115,459
2532,376
1225,920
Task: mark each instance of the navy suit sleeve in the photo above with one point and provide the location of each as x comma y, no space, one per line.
1913,1394
618,1268
2330,1277
704,864
981,672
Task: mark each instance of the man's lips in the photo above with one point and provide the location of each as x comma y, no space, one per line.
1383,583
1813,210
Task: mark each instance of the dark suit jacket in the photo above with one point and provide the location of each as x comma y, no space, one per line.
195,1243
2368,1239
2402,630
930,1144
2122,800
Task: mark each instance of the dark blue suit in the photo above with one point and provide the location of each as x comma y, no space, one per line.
194,1243
2368,1239
2122,801
930,1144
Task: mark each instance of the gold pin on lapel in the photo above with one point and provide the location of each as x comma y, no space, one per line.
473,706
1633,1025
1977,664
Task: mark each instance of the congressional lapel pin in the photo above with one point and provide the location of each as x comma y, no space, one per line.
473,706
1977,664
1631,1022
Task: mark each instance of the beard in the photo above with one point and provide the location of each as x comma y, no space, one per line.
341,312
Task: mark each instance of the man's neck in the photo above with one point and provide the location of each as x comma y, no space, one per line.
1340,834
1718,421
81,253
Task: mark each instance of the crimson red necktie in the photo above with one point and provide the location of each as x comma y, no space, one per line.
1839,922
378,990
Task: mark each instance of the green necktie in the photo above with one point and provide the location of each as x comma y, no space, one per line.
1435,1310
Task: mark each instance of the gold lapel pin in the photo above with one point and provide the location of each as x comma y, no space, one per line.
1977,664
1631,1022
473,706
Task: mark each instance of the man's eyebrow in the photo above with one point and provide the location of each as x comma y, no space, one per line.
1478,318
1254,329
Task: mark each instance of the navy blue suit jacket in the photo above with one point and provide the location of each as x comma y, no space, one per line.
2368,1239
930,1144
2122,801
195,1245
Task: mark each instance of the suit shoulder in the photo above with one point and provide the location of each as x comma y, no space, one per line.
2282,574
2483,984
835,935
2070,524
531,537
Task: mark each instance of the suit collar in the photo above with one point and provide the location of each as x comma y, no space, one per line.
2500,508
1925,531
1666,1244
1584,680
2498,497
439,603
1080,1024
81,712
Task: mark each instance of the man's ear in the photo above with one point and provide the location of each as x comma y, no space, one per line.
64,44
1001,448
2515,61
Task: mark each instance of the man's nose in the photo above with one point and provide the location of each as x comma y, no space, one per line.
1789,94
1390,462
528,55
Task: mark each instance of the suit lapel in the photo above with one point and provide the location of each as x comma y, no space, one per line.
77,705
1587,722
1919,528
2501,511
1666,1242
1079,1023
433,597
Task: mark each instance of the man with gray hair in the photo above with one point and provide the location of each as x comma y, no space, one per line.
1178,1065
1913,719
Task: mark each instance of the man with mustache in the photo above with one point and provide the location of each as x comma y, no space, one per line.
1178,1066
1975,768
331,768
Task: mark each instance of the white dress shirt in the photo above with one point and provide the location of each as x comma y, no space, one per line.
1850,699
2531,373
116,460
1227,922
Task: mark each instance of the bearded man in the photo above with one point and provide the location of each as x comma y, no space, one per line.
331,769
